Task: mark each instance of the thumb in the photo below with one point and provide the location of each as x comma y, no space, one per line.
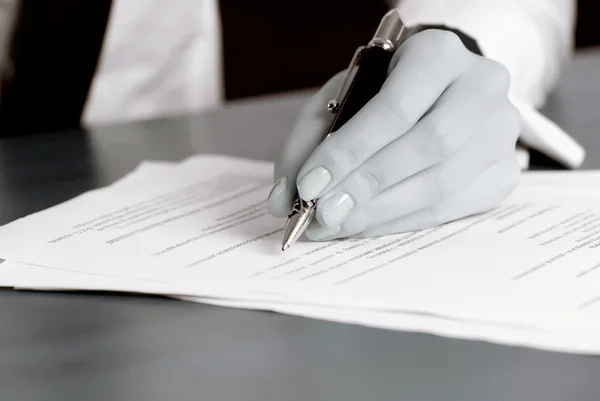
309,131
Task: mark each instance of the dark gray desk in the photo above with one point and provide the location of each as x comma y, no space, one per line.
122,348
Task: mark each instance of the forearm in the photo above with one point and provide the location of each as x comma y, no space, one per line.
532,38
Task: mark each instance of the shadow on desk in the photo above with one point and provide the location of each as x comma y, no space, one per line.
40,171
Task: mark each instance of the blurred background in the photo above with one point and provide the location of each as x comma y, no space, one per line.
298,37
588,33
319,35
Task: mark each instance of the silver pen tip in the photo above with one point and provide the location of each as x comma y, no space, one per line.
299,218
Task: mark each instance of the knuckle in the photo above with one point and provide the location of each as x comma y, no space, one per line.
362,185
415,42
445,40
438,129
438,144
496,74
400,110
433,45
371,181
337,158
343,156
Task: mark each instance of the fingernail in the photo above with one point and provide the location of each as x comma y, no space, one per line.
313,183
335,209
316,232
278,188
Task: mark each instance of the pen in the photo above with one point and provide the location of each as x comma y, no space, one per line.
364,78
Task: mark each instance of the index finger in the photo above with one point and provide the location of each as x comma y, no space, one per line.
426,65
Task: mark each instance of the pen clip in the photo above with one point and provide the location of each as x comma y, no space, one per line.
333,106
390,34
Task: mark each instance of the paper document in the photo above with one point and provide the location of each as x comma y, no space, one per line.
526,273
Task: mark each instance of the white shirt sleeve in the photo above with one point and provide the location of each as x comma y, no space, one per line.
159,58
532,38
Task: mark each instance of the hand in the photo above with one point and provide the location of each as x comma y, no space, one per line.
435,145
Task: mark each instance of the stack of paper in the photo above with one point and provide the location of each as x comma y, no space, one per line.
526,273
